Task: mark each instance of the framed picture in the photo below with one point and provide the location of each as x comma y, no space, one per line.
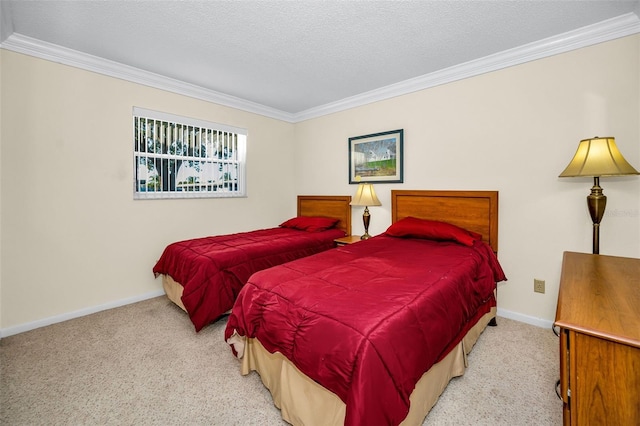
376,158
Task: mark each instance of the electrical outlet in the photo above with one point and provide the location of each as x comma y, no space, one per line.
538,286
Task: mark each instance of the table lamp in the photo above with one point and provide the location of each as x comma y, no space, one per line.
365,196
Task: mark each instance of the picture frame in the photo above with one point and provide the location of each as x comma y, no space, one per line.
376,158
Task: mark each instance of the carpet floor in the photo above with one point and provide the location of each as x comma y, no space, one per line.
143,364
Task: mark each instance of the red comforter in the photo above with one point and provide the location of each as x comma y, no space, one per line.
212,270
367,320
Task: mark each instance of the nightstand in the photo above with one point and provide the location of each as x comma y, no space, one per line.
599,325
349,239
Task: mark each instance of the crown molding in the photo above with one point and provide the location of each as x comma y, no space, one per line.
52,52
608,30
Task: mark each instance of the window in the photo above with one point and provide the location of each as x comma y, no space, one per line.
180,157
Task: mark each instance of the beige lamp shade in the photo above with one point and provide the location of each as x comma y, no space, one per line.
365,196
598,157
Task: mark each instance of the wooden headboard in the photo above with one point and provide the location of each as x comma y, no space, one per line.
476,211
334,206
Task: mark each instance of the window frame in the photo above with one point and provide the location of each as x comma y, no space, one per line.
214,165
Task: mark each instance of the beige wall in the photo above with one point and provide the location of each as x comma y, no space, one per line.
513,131
74,239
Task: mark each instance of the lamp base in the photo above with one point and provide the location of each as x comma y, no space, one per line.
596,202
366,218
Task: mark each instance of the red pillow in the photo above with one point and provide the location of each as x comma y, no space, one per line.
433,230
310,223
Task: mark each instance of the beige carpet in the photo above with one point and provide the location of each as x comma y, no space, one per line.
143,364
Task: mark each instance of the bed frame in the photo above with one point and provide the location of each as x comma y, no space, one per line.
476,211
333,206
303,401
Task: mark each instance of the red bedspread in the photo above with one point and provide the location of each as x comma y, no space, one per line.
367,320
212,270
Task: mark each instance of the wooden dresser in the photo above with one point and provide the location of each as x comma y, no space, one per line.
598,316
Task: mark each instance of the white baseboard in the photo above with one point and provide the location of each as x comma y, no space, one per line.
9,331
538,322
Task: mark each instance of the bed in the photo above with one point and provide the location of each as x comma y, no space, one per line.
204,275
372,332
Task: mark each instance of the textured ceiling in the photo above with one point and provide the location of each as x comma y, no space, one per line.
294,56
